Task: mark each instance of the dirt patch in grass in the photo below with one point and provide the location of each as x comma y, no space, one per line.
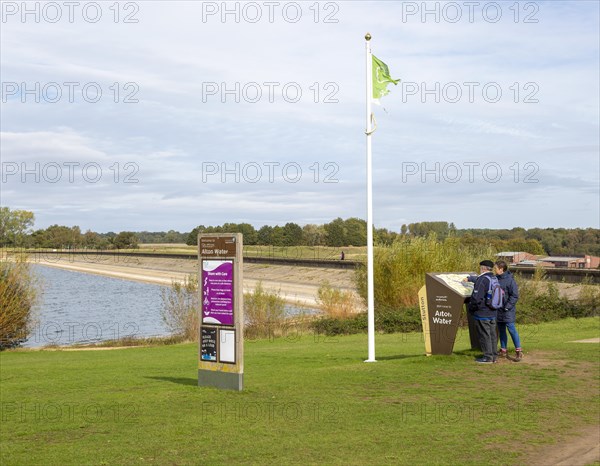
578,449
556,360
581,447
589,340
570,448
543,359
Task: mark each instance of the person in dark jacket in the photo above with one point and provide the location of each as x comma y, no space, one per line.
484,316
507,315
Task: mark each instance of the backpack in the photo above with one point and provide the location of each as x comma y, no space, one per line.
494,298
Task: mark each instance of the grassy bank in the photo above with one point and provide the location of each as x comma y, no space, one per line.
279,252
283,252
307,399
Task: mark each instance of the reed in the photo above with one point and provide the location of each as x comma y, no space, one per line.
335,302
18,294
540,300
400,268
180,310
589,296
264,313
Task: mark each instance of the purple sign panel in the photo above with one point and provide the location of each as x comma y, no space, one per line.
217,292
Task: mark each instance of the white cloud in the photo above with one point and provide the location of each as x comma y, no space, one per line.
175,130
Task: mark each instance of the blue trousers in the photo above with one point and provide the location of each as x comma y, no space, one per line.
514,335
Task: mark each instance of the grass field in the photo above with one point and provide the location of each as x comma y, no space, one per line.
307,399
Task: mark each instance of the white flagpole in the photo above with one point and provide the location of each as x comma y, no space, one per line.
370,284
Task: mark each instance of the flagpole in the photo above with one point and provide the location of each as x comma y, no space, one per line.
370,283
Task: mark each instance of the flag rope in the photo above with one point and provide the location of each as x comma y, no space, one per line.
374,123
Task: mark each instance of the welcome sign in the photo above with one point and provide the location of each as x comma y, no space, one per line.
221,346
441,303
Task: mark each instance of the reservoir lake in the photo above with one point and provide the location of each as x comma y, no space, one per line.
81,308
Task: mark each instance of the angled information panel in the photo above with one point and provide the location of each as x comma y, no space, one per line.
441,303
221,346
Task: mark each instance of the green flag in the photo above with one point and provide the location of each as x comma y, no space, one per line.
381,79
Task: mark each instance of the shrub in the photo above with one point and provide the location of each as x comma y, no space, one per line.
386,321
398,320
399,269
18,293
181,308
541,301
589,296
335,302
340,326
264,312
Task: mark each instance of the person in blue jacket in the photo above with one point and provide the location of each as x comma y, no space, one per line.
507,315
484,316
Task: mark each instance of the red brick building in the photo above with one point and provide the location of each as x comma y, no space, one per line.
575,262
512,257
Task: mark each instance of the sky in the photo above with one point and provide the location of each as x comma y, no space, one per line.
154,115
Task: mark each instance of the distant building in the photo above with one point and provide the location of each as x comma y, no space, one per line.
535,263
574,262
567,262
512,257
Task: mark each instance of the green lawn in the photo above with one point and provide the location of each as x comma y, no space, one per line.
307,399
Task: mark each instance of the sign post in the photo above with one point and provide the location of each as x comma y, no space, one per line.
220,280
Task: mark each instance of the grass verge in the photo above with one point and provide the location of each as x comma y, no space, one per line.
307,399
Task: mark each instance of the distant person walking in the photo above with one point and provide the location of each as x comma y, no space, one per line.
342,256
484,315
507,316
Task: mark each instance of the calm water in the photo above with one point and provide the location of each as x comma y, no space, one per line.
82,308
76,307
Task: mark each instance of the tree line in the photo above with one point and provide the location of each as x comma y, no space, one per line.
338,233
16,230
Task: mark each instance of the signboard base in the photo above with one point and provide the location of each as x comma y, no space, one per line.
473,335
222,380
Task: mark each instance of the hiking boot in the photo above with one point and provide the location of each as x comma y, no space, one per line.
503,354
519,355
